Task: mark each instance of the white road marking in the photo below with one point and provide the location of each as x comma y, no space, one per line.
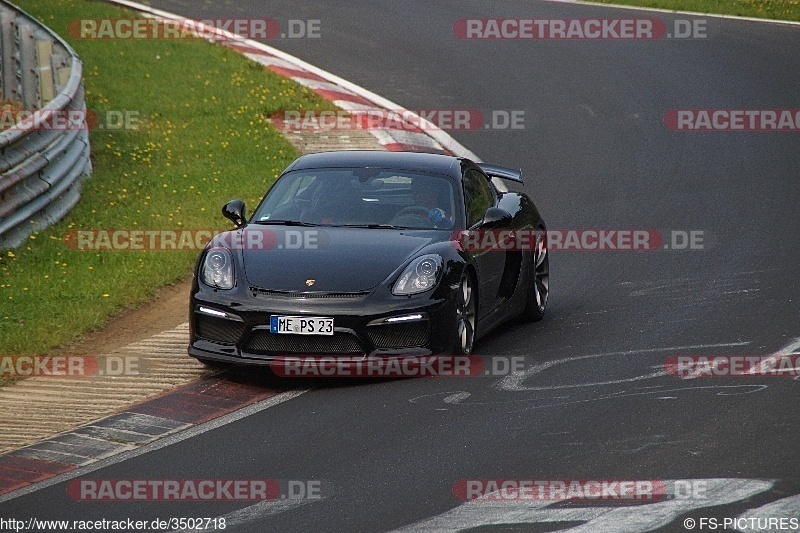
773,360
515,381
783,508
747,389
457,397
253,513
639,517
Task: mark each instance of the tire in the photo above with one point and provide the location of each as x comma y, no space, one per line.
539,283
466,316
212,364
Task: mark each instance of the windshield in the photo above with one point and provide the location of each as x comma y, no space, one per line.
360,197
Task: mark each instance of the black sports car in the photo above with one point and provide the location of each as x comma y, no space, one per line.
360,254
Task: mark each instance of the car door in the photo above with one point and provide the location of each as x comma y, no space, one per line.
479,196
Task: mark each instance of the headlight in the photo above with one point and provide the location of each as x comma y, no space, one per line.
419,276
218,269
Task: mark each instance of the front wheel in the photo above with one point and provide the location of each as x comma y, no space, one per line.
465,316
539,283
214,365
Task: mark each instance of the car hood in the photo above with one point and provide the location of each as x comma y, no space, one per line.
336,259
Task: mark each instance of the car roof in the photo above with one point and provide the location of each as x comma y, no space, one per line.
420,161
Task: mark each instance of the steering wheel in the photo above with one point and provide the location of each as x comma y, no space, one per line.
416,210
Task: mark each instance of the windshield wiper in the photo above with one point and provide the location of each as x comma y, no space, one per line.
284,222
373,226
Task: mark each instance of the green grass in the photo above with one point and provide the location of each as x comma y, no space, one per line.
768,9
203,139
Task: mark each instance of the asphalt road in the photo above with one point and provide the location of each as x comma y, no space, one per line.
596,154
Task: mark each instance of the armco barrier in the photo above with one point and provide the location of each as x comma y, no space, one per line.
41,168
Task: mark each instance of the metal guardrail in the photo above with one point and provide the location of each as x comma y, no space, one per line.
41,168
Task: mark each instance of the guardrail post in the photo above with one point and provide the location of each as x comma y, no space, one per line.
61,70
8,32
44,56
28,66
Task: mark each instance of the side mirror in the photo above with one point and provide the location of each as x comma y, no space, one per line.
234,211
496,217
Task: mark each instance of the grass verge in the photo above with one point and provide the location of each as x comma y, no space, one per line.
766,9
202,138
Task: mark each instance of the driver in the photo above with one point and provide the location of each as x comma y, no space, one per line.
432,195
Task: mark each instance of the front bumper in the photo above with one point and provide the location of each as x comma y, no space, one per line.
234,327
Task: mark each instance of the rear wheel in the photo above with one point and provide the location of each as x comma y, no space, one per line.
539,283
465,316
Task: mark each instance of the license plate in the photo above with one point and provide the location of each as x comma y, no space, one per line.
301,325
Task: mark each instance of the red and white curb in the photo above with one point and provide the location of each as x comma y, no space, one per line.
416,134
174,411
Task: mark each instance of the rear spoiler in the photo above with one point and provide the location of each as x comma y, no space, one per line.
506,173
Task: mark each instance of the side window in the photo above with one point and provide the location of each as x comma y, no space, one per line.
478,196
